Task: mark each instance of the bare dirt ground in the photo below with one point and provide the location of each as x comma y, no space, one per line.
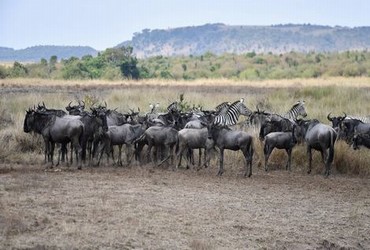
155,208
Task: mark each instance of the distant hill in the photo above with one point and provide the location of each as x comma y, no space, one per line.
35,53
220,38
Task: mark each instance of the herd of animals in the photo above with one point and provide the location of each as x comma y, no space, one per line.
95,132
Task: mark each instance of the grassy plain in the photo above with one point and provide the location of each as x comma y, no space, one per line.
155,208
335,95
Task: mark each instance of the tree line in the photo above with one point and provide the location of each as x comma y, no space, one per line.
121,63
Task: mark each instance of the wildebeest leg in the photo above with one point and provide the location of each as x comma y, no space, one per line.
179,157
267,150
248,155
138,148
189,158
309,152
221,167
60,154
64,151
71,160
167,149
78,151
119,160
288,164
149,152
52,146
205,158
327,163
129,154
200,158
324,160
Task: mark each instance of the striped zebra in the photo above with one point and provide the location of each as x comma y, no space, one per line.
258,118
296,110
222,108
364,119
231,116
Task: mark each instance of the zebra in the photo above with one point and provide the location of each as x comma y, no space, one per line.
223,107
295,111
231,116
258,118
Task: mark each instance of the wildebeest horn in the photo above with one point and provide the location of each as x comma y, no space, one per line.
329,118
344,117
69,104
83,103
105,104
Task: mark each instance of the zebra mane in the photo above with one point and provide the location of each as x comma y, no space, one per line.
299,103
222,106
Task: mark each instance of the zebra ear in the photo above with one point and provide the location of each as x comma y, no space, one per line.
242,100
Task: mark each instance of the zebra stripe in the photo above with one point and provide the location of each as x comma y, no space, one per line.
293,113
364,119
232,115
223,107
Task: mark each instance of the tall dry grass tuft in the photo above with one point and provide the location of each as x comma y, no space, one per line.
349,161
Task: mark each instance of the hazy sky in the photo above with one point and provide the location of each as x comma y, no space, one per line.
105,23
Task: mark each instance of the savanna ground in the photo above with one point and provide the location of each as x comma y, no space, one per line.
145,207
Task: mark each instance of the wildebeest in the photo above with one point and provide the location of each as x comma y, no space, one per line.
257,118
191,138
225,138
349,127
282,125
280,140
120,135
336,120
162,138
55,129
57,112
95,123
361,140
320,137
76,109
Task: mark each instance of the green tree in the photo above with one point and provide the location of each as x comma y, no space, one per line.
124,59
18,70
52,63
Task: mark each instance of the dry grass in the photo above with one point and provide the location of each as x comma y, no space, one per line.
334,95
284,83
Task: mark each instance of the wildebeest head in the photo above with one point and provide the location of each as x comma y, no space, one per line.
28,121
76,109
336,120
43,109
101,114
36,120
257,118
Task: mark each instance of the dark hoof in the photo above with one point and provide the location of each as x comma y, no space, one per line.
79,168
